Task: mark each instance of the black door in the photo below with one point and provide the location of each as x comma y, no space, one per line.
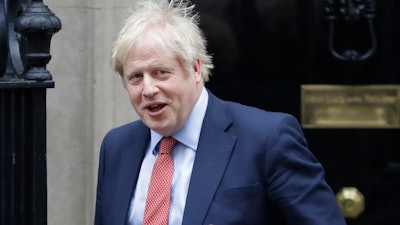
265,50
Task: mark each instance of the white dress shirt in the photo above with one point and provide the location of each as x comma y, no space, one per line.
183,156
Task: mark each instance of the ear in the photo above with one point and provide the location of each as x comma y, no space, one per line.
197,71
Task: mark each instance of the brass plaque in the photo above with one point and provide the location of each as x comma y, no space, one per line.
350,106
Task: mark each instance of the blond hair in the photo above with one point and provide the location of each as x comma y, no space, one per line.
172,25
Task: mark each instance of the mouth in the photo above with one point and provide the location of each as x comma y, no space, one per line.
155,107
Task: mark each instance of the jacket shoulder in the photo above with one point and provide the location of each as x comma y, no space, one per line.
252,115
126,132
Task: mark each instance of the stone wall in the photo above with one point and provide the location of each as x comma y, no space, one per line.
87,101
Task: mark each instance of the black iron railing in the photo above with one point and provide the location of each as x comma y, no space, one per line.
26,28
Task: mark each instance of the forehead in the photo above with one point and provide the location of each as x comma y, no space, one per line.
152,49
146,51
143,57
149,55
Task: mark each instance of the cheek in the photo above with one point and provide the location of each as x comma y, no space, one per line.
134,95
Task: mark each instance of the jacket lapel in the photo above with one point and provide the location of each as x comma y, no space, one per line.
212,157
130,164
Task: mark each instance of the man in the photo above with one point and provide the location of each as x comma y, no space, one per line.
232,164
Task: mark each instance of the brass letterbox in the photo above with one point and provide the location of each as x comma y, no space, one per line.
350,106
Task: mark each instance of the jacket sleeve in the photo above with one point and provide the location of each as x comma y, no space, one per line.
98,210
297,186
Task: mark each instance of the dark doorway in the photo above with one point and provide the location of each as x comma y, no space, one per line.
264,50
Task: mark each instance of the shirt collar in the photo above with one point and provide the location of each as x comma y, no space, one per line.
189,133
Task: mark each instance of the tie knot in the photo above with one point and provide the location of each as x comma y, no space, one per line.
167,145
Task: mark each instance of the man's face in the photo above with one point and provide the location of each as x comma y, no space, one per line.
161,91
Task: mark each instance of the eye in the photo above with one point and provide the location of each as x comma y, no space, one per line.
134,78
161,72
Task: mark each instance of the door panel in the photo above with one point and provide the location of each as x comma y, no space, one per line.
264,50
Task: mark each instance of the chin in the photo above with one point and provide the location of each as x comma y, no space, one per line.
157,128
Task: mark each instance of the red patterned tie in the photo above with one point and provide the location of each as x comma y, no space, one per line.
159,194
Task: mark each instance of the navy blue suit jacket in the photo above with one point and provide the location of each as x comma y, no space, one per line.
251,167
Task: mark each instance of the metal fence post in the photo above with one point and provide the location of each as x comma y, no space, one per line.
26,28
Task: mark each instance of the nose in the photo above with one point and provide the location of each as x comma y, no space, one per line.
150,87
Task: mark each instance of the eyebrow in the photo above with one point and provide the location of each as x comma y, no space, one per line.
158,63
